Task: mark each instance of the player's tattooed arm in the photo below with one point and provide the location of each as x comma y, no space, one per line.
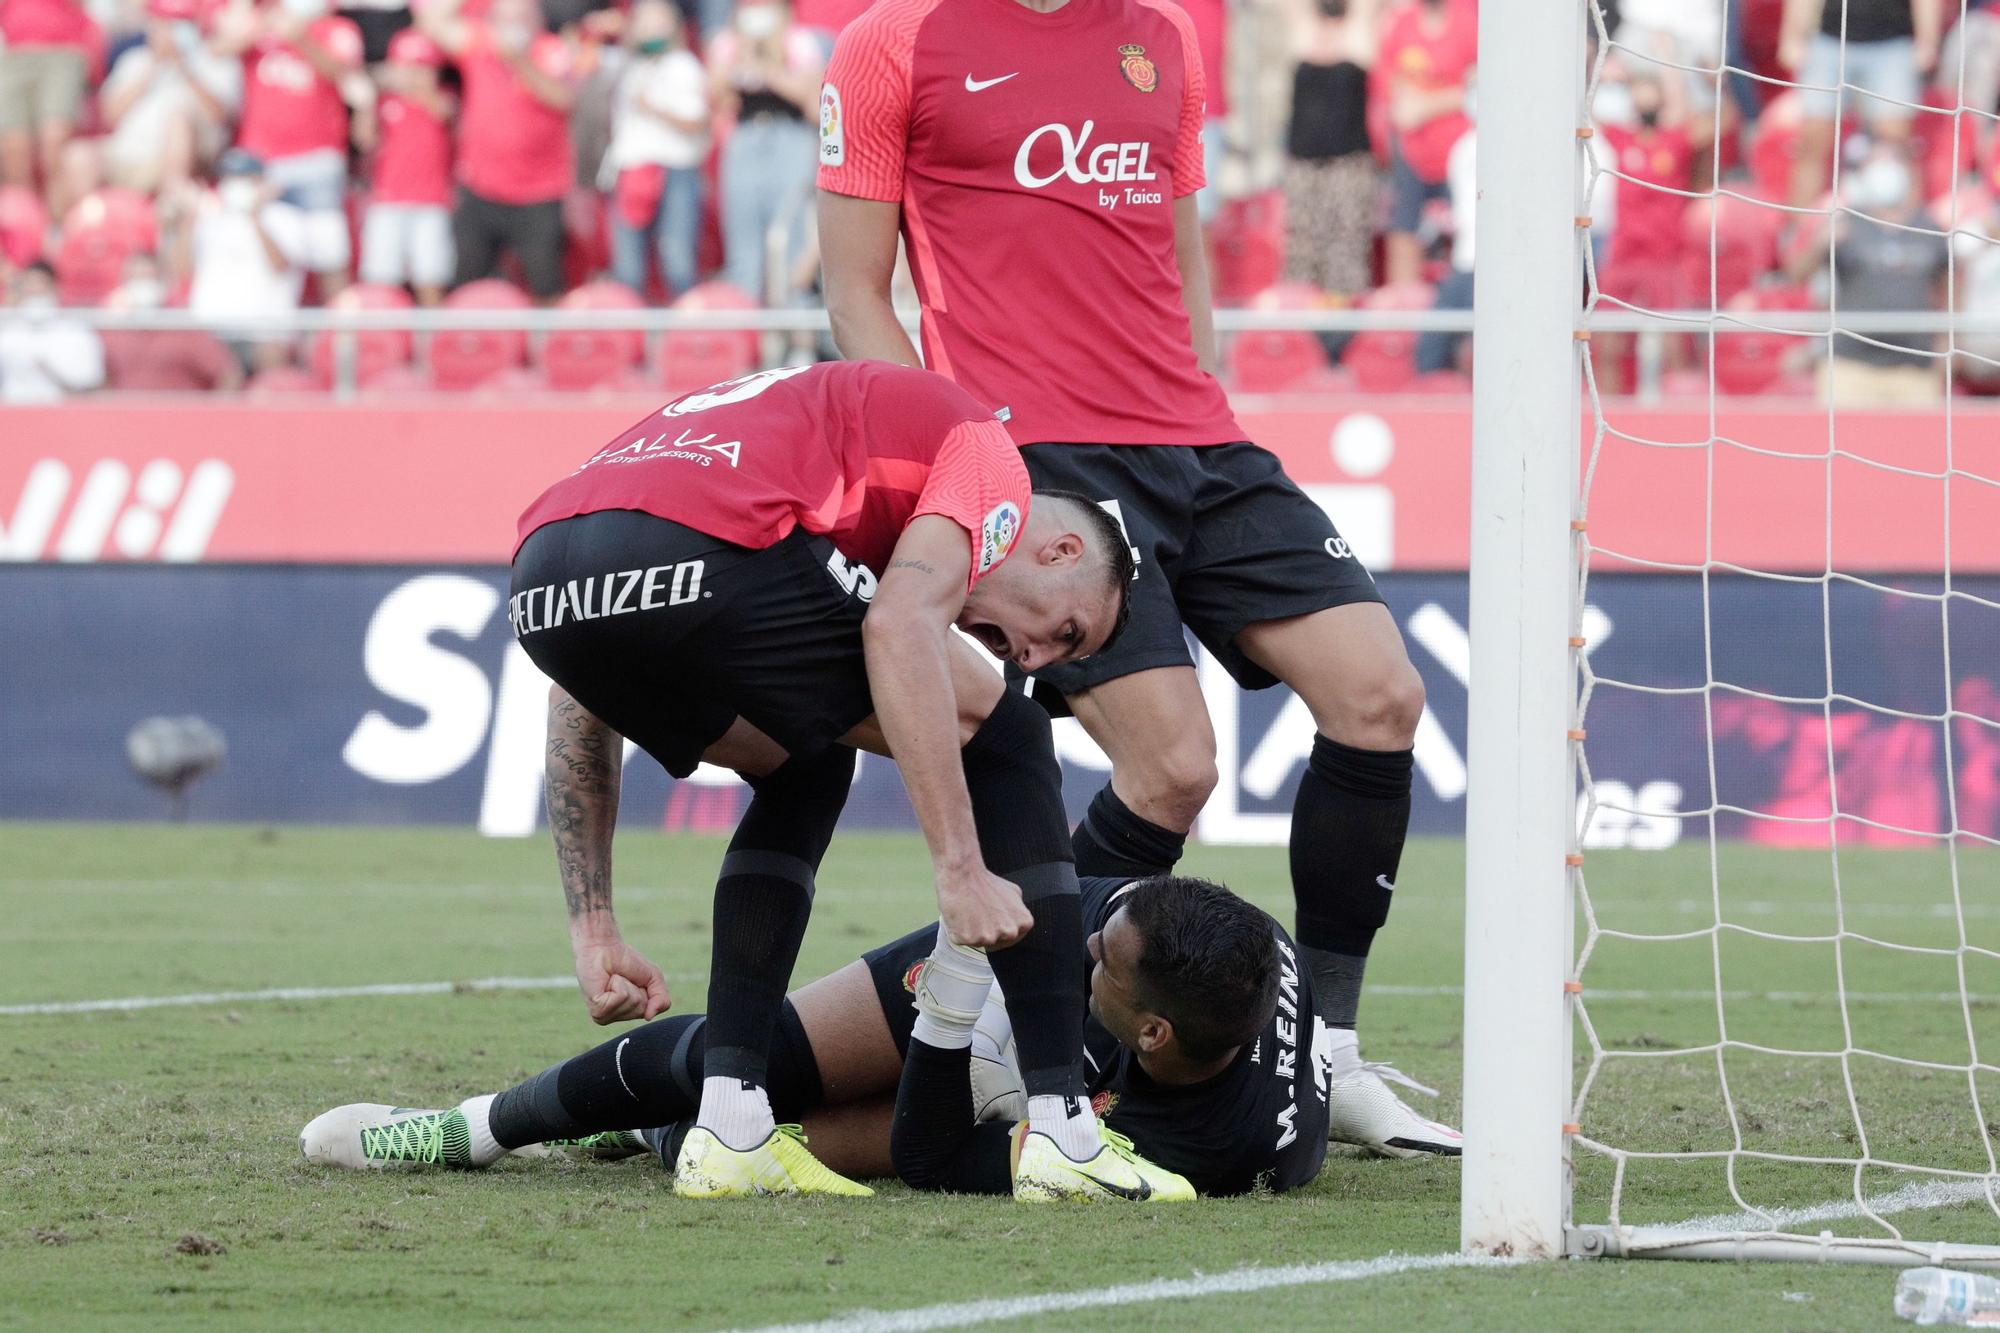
918,565
582,775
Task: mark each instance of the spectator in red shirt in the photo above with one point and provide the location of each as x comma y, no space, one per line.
44,67
514,163
1653,156
406,234
302,71
1427,56
162,360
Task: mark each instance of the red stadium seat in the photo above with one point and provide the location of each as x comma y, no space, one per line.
23,225
283,382
1384,360
1247,242
587,358
693,358
1442,384
1273,360
464,358
376,351
1753,361
102,229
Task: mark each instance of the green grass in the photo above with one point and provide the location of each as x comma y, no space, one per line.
122,1133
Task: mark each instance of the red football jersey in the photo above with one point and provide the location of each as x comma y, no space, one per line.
1037,158
413,165
1432,61
851,450
1648,228
288,107
513,148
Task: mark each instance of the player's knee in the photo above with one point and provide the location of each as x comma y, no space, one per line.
1172,785
1400,707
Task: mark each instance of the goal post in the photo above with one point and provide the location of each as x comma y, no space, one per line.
1526,427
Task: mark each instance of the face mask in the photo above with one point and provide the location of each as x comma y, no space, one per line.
143,294
1882,183
759,21
187,36
655,46
238,194
305,9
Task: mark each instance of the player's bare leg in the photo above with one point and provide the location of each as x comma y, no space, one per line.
1154,725
1349,821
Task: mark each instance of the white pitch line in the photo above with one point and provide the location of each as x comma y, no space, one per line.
287,993
1909,1198
1770,996
962,1314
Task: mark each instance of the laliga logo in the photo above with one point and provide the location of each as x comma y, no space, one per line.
162,514
1106,164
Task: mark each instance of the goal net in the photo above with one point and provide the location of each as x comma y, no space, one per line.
1779,1031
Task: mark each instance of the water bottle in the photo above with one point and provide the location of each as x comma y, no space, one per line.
1944,1296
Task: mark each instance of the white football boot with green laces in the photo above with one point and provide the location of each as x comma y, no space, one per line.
369,1136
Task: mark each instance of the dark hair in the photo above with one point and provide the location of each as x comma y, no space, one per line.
1107,534
40,267
1207,962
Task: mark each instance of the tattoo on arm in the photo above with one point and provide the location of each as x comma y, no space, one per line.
582,776
906,563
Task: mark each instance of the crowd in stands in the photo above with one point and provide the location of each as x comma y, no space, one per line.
244,158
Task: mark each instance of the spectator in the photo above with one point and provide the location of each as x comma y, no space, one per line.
1678,45
246,252
44,70
659,138
513,139
303,71
1884,257
406,233
168,102
162,360
766,72
1443,351
45,356
1428,53
1653,159
1331,190
1977,244
1881,49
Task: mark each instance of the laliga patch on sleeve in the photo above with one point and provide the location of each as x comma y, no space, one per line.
997,532
832,128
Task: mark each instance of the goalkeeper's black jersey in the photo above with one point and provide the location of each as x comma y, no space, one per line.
1260,1124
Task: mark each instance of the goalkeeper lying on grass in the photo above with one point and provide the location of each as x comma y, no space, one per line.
1200,1039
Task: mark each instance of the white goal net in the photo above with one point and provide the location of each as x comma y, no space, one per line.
1783,997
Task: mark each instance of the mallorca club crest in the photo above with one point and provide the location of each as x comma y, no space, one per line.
914,975
1137,69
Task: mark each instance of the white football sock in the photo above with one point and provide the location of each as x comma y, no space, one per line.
486,1150
1070,1122
951,991
736,1112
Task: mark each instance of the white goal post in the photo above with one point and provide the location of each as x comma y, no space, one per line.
1530,693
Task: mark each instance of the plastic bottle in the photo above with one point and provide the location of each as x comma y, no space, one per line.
1944,1296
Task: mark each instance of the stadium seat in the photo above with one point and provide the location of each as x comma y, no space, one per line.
283,382
463,358
1276,360
1247,242
23,225
1753,361
1383,360
376,351
693,358
587,358
101,230
1442,384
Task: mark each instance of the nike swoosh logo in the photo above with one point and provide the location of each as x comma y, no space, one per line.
1383,880
973,85
1139,1195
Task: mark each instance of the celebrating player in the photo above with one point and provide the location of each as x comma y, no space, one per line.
1201,1043
1041,159
699,586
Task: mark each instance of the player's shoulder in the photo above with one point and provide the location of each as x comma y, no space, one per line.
1181,21
887,27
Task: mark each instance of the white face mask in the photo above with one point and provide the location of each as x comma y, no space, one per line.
305,9
238,194
759,21
1882,182
143,294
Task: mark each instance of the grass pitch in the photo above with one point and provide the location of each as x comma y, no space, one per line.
149,1173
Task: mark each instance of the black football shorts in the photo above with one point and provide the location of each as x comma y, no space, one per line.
668,635
1224,539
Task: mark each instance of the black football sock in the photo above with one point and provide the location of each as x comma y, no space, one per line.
649,1076
1113,842
935,1138
1015,785
763,899
1349,821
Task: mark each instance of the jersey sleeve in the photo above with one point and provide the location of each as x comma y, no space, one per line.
864,105
979,482
341,37
1190,172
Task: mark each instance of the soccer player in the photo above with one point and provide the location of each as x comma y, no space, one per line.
699,586
1201,1043
1041,159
